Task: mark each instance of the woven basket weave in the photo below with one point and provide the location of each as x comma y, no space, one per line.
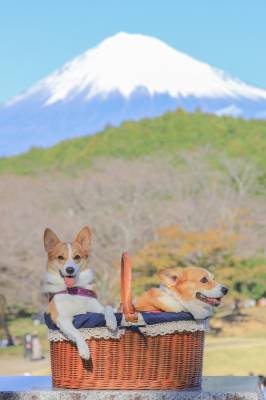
135,361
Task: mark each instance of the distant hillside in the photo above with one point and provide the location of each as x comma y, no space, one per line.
165,135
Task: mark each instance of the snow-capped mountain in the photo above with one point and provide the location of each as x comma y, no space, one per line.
127,76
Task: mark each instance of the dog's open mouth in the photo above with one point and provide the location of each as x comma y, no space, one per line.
69,280
213,301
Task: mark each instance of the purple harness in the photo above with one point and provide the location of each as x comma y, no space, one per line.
75,291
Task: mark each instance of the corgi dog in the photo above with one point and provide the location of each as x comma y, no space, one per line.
68,281
190,289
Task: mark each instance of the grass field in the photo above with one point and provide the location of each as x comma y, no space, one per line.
235,356
239,350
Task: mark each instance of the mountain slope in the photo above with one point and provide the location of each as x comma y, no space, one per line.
126,77
125,62
166,135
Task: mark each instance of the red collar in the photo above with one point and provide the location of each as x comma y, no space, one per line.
75,291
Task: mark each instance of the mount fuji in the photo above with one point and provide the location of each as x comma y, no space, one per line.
126,77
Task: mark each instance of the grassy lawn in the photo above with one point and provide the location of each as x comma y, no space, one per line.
19,327
228,356
241,347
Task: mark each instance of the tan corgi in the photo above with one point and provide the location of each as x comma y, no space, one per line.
188,289
68,281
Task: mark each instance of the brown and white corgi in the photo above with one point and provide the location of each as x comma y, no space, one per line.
68,281
190,289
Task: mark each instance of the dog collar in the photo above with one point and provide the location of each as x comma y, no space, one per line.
80,291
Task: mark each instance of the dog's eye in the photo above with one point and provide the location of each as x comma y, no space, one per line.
77,258
60,257
204,280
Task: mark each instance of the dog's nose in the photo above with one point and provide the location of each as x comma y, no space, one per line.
70,270
224,290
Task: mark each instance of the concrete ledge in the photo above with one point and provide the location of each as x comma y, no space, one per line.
213,388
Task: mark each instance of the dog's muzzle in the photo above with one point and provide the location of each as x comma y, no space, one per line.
69,273
212,301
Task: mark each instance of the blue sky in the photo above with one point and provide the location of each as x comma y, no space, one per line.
36,37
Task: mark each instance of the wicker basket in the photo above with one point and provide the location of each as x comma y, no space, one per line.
134,361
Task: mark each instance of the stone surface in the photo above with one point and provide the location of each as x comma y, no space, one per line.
213,388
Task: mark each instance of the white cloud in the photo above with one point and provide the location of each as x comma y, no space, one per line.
231,110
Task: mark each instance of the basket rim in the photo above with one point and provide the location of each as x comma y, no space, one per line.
97,320
161,329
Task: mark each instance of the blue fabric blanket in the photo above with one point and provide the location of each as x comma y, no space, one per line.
93,320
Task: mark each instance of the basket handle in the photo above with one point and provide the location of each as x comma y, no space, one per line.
126,305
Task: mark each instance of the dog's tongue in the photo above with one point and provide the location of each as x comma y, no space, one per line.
214,301
69,281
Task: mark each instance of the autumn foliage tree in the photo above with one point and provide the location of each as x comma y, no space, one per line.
214,249
175,247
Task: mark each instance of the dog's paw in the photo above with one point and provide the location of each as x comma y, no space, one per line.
83,349
111,323
110,318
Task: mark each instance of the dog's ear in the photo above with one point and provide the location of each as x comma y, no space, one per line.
84,238
50,239
169,276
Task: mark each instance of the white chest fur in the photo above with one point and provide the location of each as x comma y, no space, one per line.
172,304
70,305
